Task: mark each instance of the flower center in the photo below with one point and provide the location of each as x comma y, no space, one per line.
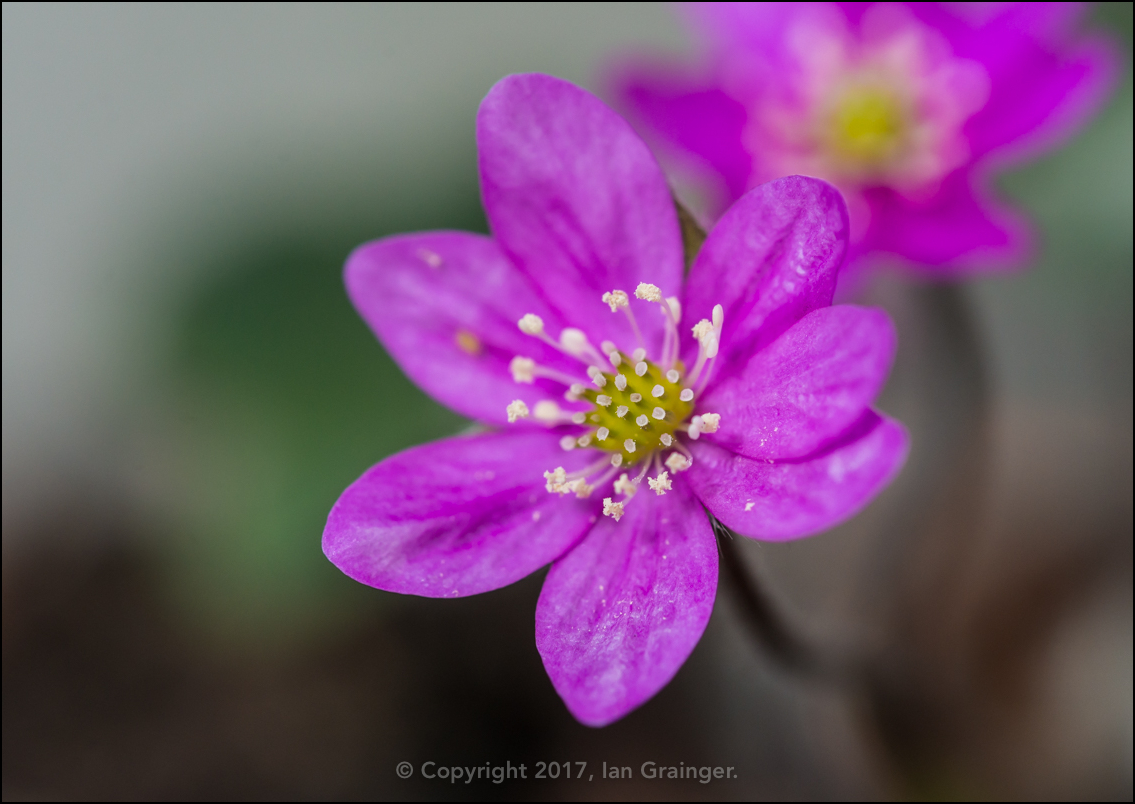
637,408
867,126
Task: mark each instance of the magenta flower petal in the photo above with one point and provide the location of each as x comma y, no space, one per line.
619,614
456,517
444,305
961,230
779,501
771,259
705,123
808,386
574,196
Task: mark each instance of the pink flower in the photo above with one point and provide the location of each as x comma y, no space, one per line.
570,328
907,108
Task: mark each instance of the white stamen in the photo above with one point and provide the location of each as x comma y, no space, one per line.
574,342
629,445
576,388
616,299
531,324
547,411
666,439
584,440
616,461
621,411
636,398
675,308
718,316
640,369
710,422
602,433
621,382
677,462
616,359
648,292
523,369
612,509
694,431
672,375
686,395
657,391
642,421
625,486
638,354
578,418
602,400
596,376
555,480
701,330
658,413
567,443
516,410
582,490
661,484
607,347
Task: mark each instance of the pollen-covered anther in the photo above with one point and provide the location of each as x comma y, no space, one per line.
531,324
642,421
579,417
584,440
612,509
555,480
636,398
575,342
616,461
616,360
523,369
625,486
678,462
582,490
672,375
621,411
516,410
702,330
602,400
567,443
547,411
648,292
602,433
641,368
658,413
638,354
686,395
710,422
616,300
596,376
621,382
666,439
629,445
657,391
661,484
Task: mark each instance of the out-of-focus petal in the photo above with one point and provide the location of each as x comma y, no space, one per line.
959,230
445,305
807,387
705,124
574,196
457,517
770,260
622,611
789,500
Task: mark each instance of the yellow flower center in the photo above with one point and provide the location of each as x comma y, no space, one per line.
867,127
641,416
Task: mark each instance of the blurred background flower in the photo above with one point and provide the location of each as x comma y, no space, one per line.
187,390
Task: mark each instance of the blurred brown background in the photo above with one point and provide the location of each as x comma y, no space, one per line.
187,390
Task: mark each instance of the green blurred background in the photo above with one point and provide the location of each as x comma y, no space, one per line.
187,390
